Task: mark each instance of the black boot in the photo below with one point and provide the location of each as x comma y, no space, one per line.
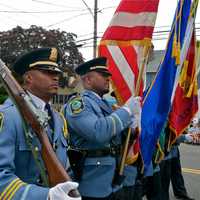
184,197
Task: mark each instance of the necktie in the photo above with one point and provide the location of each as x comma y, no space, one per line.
50,114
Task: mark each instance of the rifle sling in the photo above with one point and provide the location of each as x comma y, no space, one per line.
35,153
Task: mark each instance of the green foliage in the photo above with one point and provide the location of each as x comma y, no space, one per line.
3,95
17,41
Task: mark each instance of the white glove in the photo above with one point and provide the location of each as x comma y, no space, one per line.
133,104
60,191
136,122
188,138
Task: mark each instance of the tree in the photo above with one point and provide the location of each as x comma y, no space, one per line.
18,41
3,95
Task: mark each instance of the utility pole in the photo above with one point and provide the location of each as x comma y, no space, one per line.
95,29
94,16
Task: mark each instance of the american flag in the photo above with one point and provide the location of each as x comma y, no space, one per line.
126,44
126,41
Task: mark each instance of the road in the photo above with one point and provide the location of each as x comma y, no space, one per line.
190,161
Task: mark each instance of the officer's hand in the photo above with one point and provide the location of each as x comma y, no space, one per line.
60,191
133,104
188,138
136,122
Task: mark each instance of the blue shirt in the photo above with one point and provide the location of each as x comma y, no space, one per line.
19,174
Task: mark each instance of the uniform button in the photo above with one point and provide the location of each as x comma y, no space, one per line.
55,146
39,181
36,149
98,162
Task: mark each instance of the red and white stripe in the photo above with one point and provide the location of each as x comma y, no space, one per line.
133,20
123,42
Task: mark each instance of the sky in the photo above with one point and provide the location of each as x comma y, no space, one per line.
74,16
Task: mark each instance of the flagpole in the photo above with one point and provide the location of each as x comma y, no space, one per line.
198,58
137,131
95,29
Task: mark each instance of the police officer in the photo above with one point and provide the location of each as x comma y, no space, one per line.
177,179
131,185
95,131
152,182
170,169
21,165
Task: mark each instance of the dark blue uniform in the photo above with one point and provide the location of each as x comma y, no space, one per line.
171,171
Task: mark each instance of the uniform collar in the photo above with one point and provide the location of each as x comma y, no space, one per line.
101,102
37,101
93,93
90,92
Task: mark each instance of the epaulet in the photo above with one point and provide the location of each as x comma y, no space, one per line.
65,128
76,104
5,106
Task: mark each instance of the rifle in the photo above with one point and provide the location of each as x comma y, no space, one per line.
56,172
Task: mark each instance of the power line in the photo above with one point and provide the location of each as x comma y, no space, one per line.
165,38
5,5
155,32
40,12
89,46
67,19
87,41
156,35
46,11
88,8
53,4
109,7
14,19
87,34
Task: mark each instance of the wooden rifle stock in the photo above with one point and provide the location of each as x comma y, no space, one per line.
56,172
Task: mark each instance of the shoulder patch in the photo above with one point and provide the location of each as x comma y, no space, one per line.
76,105
1,120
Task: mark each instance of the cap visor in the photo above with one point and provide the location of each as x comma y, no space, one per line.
53,69
106,72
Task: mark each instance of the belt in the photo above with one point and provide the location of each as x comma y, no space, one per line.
111,151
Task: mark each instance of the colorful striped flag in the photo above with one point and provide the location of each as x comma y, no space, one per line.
184,98
185,101
157,103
